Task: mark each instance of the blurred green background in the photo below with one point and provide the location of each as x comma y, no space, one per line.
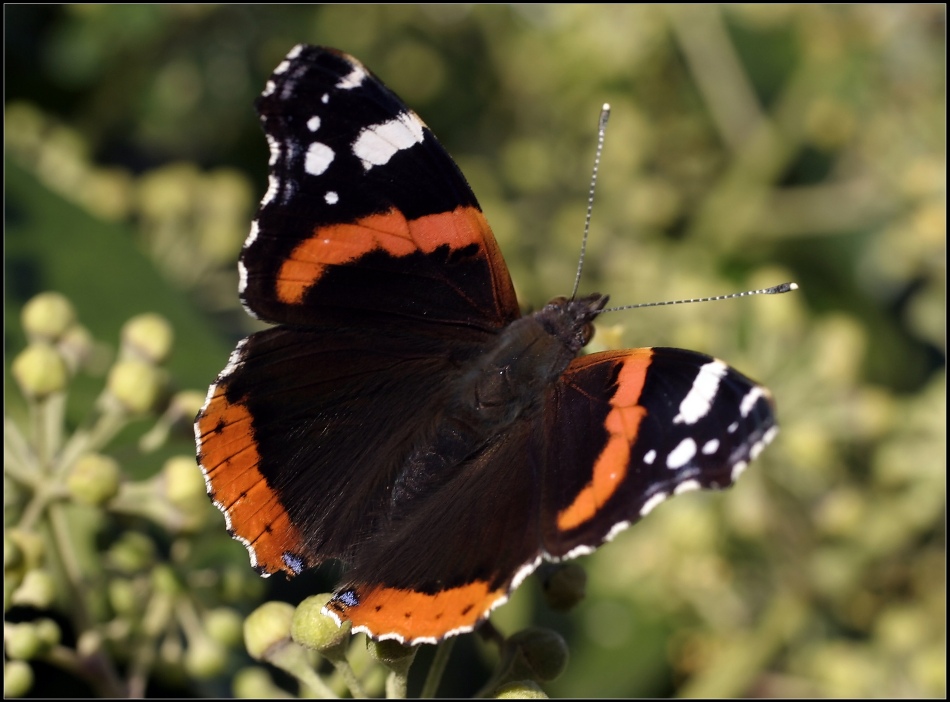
748,145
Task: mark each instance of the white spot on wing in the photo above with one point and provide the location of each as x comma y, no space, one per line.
252,235
273,185
710,447
651,504
204,408
686,486
748,402
313,124
242,277
578,551
318,160
333,615
700,397
762,443
682,454
756,449
331,197
274,147
649,457
616,529
377,144
523,572
353,79
738,470
234,360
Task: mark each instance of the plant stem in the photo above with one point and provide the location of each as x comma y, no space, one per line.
436,670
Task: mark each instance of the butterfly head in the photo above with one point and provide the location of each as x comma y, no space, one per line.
572,320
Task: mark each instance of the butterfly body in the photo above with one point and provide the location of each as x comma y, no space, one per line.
402,416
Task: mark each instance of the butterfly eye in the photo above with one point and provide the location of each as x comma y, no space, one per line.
587,333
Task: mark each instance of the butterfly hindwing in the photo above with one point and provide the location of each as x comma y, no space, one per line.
452,554
307,429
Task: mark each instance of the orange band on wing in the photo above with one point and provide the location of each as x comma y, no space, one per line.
413,615
391,232
229,458
622,424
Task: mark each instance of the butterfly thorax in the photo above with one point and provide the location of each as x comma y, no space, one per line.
506,384
528,355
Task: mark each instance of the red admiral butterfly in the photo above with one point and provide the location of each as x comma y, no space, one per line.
404,417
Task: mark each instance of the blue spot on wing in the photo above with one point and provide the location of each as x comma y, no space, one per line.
294,562
347,598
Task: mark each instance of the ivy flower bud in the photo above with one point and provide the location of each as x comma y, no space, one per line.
135,385
40,371
205,659
47,316
17,678
267,628
94,479
38,589
147,337
22,642
534,653
312,628
520,690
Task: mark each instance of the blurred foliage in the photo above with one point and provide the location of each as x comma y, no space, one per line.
748,145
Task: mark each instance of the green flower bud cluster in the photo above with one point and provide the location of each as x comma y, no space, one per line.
296,639
112,553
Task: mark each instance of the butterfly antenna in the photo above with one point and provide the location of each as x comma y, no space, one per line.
601,131
774,290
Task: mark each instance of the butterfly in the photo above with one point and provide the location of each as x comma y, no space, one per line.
402,416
